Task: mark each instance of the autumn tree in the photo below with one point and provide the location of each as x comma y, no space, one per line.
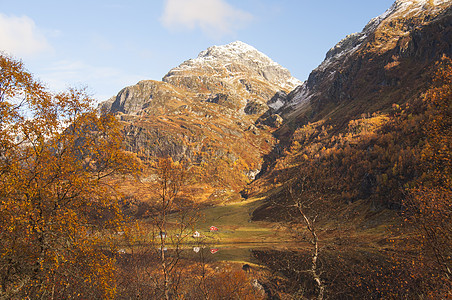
172,215
304,202
429,203
56,205
307,204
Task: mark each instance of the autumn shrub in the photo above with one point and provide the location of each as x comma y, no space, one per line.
56,207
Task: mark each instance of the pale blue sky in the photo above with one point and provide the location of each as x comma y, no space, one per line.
107,45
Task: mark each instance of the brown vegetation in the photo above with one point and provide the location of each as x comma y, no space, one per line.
399,161
55,199
370,193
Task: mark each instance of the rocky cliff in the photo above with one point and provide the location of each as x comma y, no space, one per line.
387,62
339,127
222,110
205,111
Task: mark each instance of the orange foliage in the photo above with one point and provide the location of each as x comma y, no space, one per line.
429,205
55,153
399,160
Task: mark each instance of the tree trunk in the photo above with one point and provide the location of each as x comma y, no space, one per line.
315,253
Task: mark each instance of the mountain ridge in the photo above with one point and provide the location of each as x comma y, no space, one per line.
205,111
222,66
358,91
219,57
353,165
390,38
226,106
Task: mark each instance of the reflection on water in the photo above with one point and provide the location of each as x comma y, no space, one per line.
237,252
212,252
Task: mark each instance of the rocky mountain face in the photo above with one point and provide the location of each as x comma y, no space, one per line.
205,111
342,150
236,76
336,122
368,71
223,109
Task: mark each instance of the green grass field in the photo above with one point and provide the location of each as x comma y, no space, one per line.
235,226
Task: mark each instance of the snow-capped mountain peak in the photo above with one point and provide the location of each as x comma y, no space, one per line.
235,59
233,51
234,48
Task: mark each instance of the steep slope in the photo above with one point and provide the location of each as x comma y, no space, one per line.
368,71
362,174
204,111
340,126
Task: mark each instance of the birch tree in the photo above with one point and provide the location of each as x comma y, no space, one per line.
56,153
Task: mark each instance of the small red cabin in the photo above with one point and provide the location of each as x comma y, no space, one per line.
213,228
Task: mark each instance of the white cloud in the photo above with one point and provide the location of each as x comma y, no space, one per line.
213,17
19,36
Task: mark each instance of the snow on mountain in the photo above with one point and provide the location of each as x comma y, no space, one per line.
400,10
206,111
413,7
220,58
232,51
236,76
